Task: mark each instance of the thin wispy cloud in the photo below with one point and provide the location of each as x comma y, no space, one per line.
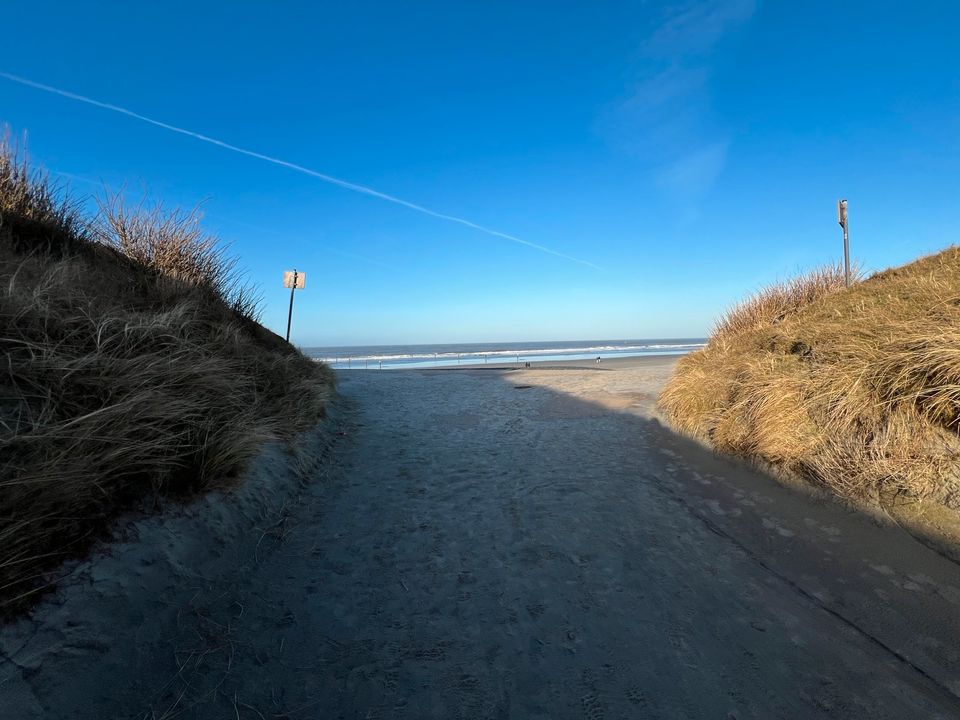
694,173
326,248
76,178
666,116
354,187
696,27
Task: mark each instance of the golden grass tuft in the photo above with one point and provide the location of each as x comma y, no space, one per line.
774,302
174,246
133,367
856,389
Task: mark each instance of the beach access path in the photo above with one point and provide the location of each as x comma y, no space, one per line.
532,544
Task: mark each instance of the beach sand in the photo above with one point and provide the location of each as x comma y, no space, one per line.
477,543
661,362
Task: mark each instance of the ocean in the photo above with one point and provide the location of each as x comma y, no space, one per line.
394,357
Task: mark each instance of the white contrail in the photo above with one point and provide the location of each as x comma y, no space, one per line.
292,166
103,186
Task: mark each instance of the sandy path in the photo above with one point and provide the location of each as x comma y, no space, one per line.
483,550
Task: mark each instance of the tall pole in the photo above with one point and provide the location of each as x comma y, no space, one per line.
844,223
293,289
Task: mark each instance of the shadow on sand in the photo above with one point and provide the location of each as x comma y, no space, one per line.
494,544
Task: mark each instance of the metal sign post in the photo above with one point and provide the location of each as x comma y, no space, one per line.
293,279
842,219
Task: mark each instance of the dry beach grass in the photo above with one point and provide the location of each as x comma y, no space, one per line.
856,389
133,366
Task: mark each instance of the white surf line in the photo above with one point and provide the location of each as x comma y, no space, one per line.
292,166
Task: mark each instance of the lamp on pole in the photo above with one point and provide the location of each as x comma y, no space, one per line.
842,219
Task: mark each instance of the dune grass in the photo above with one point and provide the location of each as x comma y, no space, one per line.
855,389
133,367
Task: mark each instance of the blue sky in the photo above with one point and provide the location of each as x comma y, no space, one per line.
689,152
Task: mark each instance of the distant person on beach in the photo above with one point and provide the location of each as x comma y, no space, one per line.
598,359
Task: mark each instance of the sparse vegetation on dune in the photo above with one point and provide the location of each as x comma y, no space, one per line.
856,389
133,365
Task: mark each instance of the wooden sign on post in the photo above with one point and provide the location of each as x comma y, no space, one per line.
294,279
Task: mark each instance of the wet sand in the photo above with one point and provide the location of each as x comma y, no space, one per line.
506,544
